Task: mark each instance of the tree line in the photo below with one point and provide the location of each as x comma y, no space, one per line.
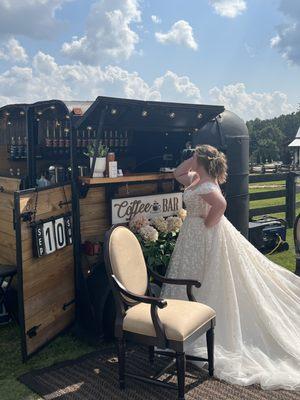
269,138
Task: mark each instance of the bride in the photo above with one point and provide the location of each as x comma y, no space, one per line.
257,302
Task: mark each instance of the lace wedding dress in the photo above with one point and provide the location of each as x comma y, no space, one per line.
257,302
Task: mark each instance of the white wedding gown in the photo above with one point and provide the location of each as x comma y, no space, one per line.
257,302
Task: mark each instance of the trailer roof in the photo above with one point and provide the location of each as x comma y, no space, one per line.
149,115
130,114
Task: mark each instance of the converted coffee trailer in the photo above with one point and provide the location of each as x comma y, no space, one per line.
147,139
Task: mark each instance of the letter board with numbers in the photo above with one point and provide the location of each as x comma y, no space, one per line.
51,235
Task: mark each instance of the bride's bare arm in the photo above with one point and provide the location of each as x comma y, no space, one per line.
218,206
184,174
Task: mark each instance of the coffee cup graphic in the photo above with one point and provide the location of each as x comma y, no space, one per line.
156,206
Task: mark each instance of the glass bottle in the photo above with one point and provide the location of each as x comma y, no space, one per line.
106,142
13,148
67,141
116,142
55,139
61,142
111,139
19,150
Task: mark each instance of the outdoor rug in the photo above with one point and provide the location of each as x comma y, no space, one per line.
95,377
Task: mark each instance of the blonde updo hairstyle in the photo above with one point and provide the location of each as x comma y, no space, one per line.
213,160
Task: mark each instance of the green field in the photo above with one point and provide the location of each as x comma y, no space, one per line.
68,347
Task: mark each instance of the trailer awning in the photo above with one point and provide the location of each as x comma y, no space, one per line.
148,115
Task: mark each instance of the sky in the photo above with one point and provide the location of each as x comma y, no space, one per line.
243,54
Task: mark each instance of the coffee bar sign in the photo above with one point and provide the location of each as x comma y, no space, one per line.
166,204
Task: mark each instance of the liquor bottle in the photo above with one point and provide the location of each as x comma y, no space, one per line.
13,148
67,141
48,139
94,140
106,140
25,146
126,140
90,137
19,147
111,140
61,142
116,142
121,142
84,141
55,140
78,140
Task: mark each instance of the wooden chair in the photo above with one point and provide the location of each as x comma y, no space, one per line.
297,243
155,322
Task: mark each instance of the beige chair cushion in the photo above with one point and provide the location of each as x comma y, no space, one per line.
127,260
180,319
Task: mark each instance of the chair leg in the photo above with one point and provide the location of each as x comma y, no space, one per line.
121,360
181,365
151,354
210,350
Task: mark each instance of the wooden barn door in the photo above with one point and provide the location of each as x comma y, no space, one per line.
46,273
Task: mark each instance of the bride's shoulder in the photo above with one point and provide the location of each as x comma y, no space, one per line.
207,187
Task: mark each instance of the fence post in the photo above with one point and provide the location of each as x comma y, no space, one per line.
290,213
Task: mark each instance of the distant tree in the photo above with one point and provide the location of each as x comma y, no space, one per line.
267,143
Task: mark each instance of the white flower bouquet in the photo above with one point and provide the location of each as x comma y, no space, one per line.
157,237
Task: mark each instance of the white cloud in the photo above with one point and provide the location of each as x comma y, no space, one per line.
177,88
155,19
11,50
180,33
109,35
45,79
250,105
32,18
287,39
229,8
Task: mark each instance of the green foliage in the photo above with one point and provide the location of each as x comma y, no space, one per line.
101,151
269,139
158,254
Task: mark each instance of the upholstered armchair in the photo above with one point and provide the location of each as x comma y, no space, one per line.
167,324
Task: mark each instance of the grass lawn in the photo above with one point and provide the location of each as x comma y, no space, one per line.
68,347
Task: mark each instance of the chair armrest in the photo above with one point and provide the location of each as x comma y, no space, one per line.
173,281
189,283
156,301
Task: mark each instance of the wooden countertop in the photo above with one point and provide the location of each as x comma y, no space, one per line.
143,177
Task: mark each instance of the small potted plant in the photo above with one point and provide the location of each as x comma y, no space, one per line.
100,165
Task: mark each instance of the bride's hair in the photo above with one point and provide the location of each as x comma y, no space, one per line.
213,160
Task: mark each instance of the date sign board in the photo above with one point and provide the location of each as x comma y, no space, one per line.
166,204
52,235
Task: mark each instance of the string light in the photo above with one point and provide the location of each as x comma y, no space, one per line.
113,111
144,113
172,115
200,115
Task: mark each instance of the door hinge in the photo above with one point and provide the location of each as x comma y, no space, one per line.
32,331
66,305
